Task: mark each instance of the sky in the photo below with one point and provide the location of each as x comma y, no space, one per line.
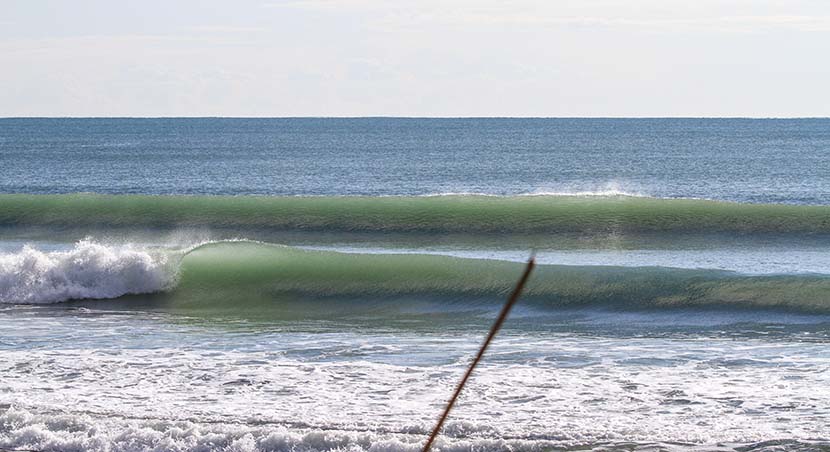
552,58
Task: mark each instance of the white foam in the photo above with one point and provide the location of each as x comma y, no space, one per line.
564,193
88,270
587,193
78,382
610,189
21,429
577,391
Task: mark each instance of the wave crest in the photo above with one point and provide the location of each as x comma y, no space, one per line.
88,270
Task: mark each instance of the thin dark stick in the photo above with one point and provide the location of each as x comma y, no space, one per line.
495,329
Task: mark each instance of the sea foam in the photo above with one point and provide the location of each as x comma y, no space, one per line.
88,270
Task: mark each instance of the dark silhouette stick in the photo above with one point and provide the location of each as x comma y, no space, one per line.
493,330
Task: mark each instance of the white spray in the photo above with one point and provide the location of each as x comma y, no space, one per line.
88,270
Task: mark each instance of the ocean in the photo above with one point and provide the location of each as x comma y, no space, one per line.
308,284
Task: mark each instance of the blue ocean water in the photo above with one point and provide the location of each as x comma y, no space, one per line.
320,284
744,160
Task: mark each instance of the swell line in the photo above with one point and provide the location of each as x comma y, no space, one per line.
451,214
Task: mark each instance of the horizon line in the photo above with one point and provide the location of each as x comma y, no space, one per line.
417,117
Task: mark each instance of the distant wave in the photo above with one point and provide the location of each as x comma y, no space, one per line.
605,191
460,214
230,275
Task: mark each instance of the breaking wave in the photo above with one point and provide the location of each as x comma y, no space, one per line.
88,270
230,275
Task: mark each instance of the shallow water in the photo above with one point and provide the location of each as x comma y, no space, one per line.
571,379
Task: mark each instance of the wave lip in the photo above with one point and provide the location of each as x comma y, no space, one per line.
88,270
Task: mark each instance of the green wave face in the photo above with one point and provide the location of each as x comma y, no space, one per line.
254,278
469,214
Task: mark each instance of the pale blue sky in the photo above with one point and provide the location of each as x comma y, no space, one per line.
415,58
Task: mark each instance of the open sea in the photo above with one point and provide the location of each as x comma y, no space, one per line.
322,284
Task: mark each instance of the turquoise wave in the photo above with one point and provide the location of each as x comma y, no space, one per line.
451,214
250,276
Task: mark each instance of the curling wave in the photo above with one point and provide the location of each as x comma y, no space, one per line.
229,276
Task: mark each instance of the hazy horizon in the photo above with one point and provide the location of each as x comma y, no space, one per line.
754,118
359,58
